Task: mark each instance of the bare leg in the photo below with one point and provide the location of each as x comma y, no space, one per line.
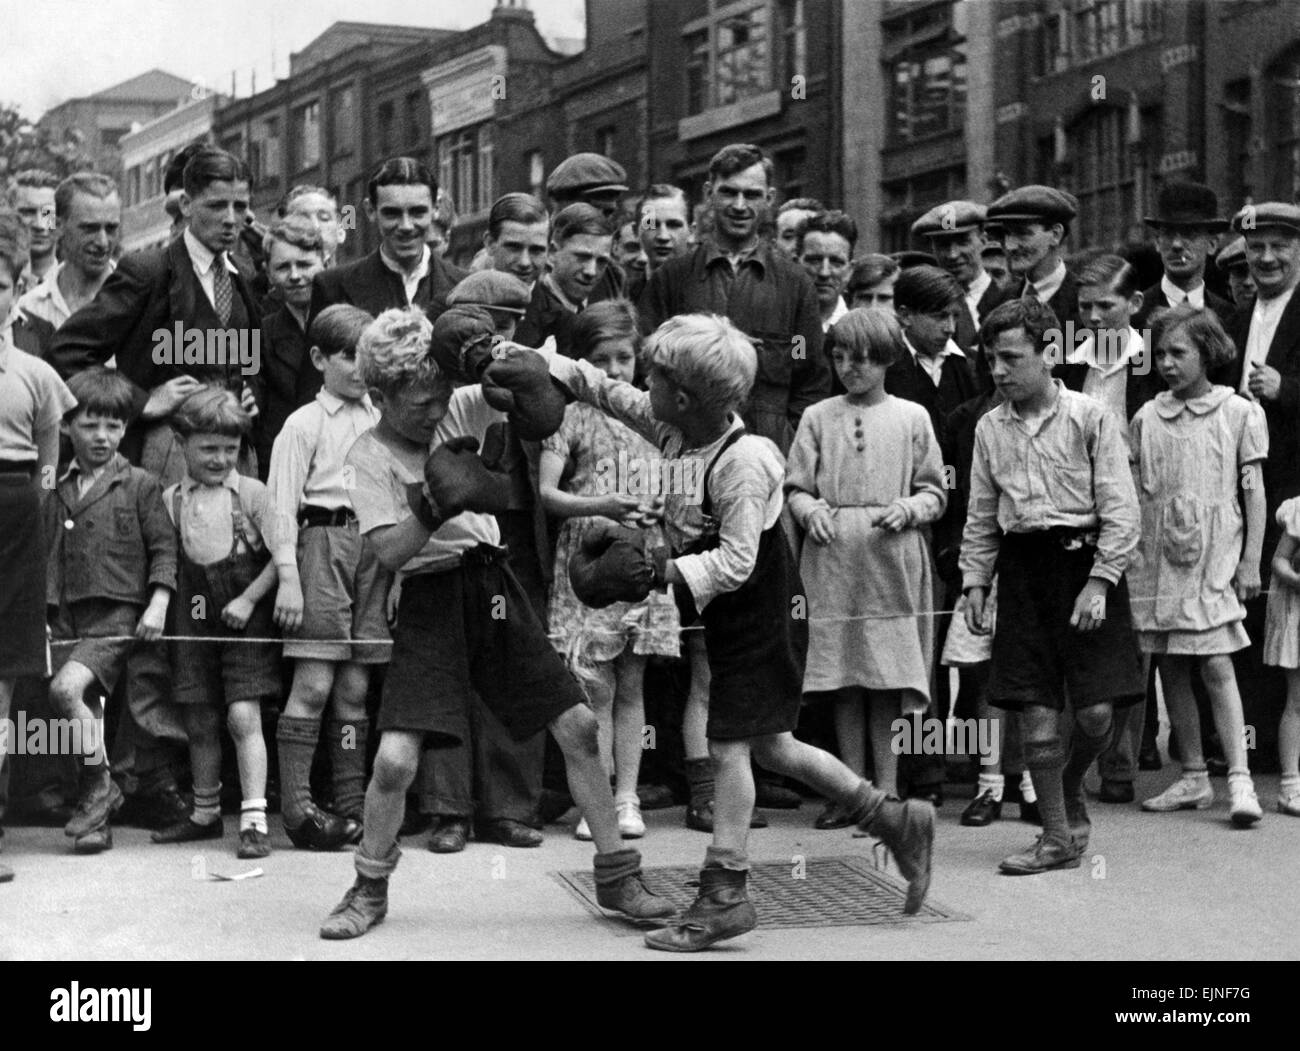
883,707
733,795
851,728
629,723
574,731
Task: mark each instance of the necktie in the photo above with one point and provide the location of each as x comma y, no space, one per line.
222,292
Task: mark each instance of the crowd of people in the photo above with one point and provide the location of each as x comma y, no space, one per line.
640,465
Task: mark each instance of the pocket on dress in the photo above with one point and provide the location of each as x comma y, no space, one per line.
1181,541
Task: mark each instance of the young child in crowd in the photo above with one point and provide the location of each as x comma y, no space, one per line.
607,647
732,567
1193,447
332,588
112,571
223,581
864,478
463,621
1052,506
1282,649
33,401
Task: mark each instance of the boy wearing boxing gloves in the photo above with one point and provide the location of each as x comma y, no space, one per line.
463,621
731,567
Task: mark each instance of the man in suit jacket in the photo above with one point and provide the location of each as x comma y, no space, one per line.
1187,227
1267,334
402,271
1035,221
955,231
191,287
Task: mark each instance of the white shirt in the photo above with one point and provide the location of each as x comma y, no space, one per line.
1050,285
411,281
203,260
1264,320
307,460
1107,377
46,301
841,308
975,293
206,524
1175,295
934,366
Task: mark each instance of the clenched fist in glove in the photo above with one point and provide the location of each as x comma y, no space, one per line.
457,480
520,385
462,342
613,565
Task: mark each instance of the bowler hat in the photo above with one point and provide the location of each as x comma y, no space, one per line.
1187,204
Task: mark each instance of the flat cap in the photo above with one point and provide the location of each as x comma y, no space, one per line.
954,217
1233,254
1044,204
1269,213
493,289
586,173
908,259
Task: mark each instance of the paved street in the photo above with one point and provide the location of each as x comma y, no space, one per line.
1168,887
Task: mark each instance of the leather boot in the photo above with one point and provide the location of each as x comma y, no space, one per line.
620,888
722,910
907,829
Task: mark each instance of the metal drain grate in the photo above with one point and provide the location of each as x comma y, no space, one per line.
818,892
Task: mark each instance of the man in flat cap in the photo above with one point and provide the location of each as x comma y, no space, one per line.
1267,333
594,179
955,231
1035,221
1187,226
1232,261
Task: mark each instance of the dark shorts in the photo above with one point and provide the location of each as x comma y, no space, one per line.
1037,657
472,630
224,673
89,623
22,579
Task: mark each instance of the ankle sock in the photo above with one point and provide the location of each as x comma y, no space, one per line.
627,797
252,814
993,783
207,805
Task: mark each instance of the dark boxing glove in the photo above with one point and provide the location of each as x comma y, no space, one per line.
462,341
457,480
612,565
520,385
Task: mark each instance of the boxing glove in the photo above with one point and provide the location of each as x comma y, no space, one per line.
456,480
611,565
462,341
520,385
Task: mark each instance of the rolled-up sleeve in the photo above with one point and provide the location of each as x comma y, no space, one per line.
741,502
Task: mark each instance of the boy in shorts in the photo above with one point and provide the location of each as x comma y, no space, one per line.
1052,508
112,570
464,622
332,588
731,567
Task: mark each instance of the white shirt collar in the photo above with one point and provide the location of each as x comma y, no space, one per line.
231,482
1086,353
841,308
950,348
331,402
415,275
202,257
1175,296
978,287
1051,284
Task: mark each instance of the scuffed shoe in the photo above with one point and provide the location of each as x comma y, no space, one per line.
620,887
253,844
1243,805
96,841
1288,800
1187,793
720,911
100,799
364,906
630,823
1044,855
907,829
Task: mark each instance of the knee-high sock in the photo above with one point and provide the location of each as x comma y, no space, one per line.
347,744
1084,751
296,739
1045,764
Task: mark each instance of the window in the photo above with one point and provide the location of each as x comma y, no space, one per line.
110,137
1092,29
133,185
466,167
794,39
536,174
906,200
791,173
1238,130
1283,81
730,59
306,135
344,120
152,183
1102,178
264,150
413,135
605,141
386,141
929,92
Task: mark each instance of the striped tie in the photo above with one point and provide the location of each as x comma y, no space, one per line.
222,291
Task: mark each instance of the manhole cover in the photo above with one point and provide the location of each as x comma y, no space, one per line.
818,892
